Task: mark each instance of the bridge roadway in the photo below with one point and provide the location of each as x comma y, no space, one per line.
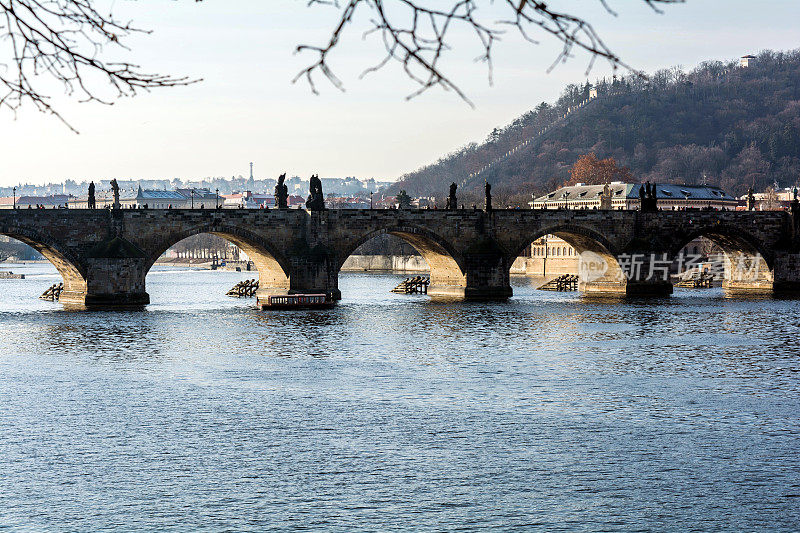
104,255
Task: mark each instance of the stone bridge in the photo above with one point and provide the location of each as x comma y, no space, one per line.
104,255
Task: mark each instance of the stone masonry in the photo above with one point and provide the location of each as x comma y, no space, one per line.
104,255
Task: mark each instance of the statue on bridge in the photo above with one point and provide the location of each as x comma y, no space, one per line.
115,188
281,193
92,204
605,197
316,200
648,202
488,193
452,201
751,200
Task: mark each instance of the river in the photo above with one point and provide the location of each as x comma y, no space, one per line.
393,412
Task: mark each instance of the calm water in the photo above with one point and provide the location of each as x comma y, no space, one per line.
391,412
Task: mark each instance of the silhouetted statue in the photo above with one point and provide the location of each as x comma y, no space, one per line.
115,188
488,193
92,202
281,193
647,198
751,200
316,200
452,201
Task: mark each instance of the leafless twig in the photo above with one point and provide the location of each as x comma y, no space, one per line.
42,40
417,36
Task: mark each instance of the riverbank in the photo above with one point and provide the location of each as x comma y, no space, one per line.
385,263
522,266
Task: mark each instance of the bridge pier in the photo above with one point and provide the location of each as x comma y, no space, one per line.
109,283
747,274
310,274
636,274
633,288
487,276
479,275
786,274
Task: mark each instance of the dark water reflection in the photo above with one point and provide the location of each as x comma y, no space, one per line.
393,412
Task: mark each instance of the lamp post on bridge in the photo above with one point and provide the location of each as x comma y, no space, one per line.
14,205
192,195
370,199
217,204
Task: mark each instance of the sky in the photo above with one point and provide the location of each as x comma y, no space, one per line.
246,107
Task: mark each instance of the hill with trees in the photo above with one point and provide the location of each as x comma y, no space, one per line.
719,124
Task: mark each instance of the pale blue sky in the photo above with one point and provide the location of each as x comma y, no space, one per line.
247,109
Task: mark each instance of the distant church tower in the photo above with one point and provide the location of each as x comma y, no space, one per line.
251,183
746,61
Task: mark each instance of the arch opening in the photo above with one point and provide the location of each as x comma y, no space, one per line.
721,256
71,271
231,248
562,252
446,275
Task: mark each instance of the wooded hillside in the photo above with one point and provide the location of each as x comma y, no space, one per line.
719,124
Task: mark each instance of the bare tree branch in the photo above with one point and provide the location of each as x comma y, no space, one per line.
63,40
417,36
66,40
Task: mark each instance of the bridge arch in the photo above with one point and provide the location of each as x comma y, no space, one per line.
748,262
72,270
606,275
731,239
446,269
273,268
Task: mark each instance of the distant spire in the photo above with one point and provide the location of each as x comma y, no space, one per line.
251,171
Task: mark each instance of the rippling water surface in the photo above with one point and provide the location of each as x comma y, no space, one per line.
392,412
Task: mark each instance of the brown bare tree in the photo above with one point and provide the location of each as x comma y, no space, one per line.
590,170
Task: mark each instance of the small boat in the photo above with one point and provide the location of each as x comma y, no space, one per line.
294,301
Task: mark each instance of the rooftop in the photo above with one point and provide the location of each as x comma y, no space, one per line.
664,191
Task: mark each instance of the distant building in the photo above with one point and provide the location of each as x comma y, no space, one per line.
199,197
551,255
152,198
82,202
156,199
424,202
247,200
746,61
771,200
23,202
347,202
626,196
